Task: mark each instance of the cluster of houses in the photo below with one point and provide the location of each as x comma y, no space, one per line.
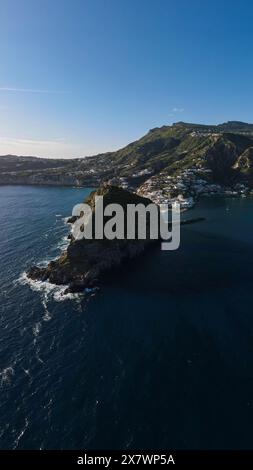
140,173
183,187
122,182
205,133
127,182
186,187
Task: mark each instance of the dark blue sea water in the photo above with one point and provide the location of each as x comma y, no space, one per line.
161,357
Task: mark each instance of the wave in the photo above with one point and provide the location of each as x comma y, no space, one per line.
49,291
21,433
61,246
65,220
47,316
63,243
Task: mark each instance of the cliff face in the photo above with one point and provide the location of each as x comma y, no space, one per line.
84,262
244,164
220,158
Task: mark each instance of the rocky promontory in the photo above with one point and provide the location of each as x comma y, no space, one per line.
85,261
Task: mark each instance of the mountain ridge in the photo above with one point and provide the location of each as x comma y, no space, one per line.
163,153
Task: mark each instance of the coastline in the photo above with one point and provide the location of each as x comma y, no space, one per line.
183,310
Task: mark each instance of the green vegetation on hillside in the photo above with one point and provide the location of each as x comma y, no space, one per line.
168,150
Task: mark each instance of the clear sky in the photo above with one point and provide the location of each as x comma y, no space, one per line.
83,76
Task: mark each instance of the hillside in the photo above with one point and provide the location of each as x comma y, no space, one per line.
176,147
166,162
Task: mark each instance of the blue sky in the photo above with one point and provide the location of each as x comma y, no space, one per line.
80,77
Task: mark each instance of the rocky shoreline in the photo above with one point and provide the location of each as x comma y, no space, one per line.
84,262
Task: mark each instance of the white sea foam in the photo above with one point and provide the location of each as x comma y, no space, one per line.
37,286
23,430
63,243
47,315
36,329
6,374
49,291
59,295
45,261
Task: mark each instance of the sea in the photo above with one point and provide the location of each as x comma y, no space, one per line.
161,357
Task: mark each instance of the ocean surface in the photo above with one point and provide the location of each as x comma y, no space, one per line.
160,357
